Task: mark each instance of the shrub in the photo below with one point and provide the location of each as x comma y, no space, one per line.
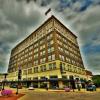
6,92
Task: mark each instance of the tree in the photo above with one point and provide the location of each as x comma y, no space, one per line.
96,80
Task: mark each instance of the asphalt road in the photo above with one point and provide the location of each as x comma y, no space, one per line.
43,95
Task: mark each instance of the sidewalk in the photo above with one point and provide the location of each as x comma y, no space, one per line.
25,90
12,97
37,93
43,94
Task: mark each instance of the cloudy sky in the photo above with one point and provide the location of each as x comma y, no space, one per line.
18,18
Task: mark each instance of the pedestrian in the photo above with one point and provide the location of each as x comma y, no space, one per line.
78,87
47,88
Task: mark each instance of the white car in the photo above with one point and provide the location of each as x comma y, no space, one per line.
31,88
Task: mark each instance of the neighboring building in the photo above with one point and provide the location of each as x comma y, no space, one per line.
3,77
51,51
89,75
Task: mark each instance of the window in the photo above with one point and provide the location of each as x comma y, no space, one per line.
43,68
66,46
49,30
42,47
21,57
66,67
35,50
30,71
25,66
49,36
26,50
25,60
73,62
21,62
69,68
64,77
51,57
61,49
35,45
35,62
58,36
26,54
50,49
30,58
42,53
67,52
31,47
16,57
68,60
24,72
29,65
42,41
30,53
63,66
36,56
50,43
52,66
75,69
42,60
61,57
35,69
72,55
54,76
64,40
60,42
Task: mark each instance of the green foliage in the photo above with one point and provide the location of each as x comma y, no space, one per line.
96,80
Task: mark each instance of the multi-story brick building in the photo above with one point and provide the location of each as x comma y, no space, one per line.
51,52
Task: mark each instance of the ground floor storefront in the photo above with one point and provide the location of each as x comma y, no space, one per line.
52,83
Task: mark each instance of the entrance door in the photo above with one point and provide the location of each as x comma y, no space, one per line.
72,82
54,82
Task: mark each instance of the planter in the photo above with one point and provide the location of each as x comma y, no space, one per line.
6,92
67,89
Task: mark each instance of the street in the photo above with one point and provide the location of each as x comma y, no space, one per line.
43,94
60,95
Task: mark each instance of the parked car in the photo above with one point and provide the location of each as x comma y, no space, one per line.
67,89
31,87
55,88
91,87
13,86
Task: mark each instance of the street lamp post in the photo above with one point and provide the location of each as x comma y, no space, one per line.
5,75
26,79
17,87
19,78
46,80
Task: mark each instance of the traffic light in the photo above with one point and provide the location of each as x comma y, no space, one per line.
19,73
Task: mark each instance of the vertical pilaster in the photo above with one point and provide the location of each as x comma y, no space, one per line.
60,83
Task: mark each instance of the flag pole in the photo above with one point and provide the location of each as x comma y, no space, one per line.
48,12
